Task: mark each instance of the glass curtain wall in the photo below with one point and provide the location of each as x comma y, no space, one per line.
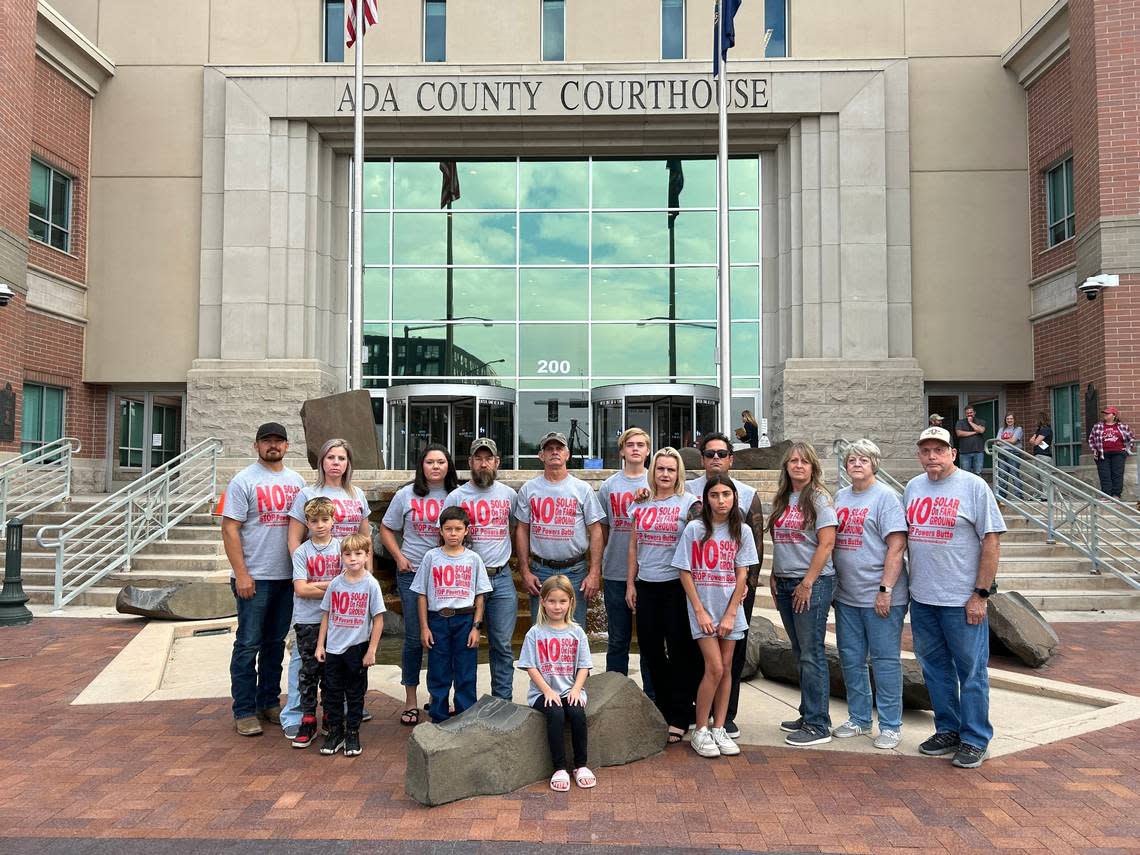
555,276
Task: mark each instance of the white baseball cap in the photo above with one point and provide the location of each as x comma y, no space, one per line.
940,434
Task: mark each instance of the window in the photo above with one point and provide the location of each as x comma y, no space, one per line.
130,434
776,23
42,416
553,30
334,30
435,31
49,206
672,29
1059,202
1067,435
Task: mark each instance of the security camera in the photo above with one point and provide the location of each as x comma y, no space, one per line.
6,294
1095,284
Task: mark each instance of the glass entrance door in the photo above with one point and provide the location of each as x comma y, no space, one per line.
427,423
497,422
453,415
146,432
673,414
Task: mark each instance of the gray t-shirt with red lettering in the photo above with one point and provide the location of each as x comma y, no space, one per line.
259,499
351,607
557,654
312,563
712,565
616,497
418,518
865,519
792,547
489,509
947,521
349,511
658,525
451,581
558,513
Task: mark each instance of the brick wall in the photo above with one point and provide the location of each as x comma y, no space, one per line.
17,79
1050,140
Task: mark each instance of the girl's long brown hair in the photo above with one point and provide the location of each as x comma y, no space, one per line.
735,515
807,495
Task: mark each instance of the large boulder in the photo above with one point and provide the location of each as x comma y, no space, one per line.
347,416
770,654
497,746
761,458
1019,627
190,601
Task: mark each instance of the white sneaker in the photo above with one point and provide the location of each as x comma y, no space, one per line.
704,744
887,739
724,742
849,729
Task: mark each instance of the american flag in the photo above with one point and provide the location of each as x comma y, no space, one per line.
370,18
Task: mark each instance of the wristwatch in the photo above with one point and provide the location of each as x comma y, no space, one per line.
478,624
984,593
885,589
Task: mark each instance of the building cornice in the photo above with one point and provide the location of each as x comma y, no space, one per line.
70,52
1039,47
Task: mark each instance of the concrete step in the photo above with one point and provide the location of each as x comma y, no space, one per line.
177,545
58,517
1082,599
1061,582
142,578
93,596
1064,563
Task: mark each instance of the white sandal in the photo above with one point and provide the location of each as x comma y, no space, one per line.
584,778
560,781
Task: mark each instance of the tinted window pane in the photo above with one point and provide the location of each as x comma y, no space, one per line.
743,236
38,229
376,294
553,294
32,419
553,30
377,180
643,238
776,20
420,239
483,238
375,238
554,238
672,29
745,348
421,294
485,184
60,200
642,350
744,183
631,293
59,239
696,292
474,348
554,184
39,190
745,285
334,30
541,412
53,414
375,349
418,184
557,351
435,31
696,350
645,184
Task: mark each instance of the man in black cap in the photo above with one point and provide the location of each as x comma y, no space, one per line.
255,528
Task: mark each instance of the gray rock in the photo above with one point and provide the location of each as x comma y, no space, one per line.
497,746
1019,627
347,416
742,458
190,601
770,654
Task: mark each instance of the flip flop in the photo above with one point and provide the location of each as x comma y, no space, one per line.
560,781
675,736
410,717
584,778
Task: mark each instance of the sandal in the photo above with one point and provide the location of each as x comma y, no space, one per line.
560,781
410,717
584,778
675,735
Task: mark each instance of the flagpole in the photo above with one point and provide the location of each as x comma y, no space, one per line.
724,327
356,348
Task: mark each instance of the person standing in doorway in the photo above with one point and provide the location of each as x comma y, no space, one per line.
1110,441
1007,479
255,526
751,429
971,433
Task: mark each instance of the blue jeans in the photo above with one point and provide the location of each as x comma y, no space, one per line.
500,609
1007,479
259,646
576,575
972,462
861,633
806,631
450,660
619,618
412,659
291,714
954,656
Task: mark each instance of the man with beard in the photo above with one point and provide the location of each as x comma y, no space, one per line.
255,530
489,505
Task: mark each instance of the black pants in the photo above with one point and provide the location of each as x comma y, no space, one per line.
346,679
738,654
1110,468
312,675
667,649
556,719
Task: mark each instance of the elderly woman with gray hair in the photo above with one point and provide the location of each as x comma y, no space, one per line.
870,595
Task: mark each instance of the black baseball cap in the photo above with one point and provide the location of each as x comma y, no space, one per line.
272,429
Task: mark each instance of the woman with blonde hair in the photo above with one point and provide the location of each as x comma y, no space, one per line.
751,429
802,524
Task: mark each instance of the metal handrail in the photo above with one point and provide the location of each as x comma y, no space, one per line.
839,448
1100,527
36,479
105,537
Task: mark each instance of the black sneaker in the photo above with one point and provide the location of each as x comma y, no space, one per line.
731,730
352,743
793,725
305,732
334,741
808,735
943,742
324,724
969,757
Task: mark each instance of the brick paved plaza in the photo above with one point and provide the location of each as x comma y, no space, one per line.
176,772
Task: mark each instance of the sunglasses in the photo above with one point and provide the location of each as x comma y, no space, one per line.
720,452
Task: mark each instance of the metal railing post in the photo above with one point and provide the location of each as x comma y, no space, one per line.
13,601
166,507
1094,541
129,540
1050,534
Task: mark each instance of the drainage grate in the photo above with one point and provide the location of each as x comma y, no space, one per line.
222,630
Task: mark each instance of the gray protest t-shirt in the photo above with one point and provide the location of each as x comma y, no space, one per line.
712,565
744,493
259,499
312,563
865,520
351,607
558,513
1011,435
616,497
348,511
557,654
418,518
489,509
658,525
947,520
792,547
451,581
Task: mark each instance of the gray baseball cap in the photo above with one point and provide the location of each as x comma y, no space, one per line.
484,442
553,436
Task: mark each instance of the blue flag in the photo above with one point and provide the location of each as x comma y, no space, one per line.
726,12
